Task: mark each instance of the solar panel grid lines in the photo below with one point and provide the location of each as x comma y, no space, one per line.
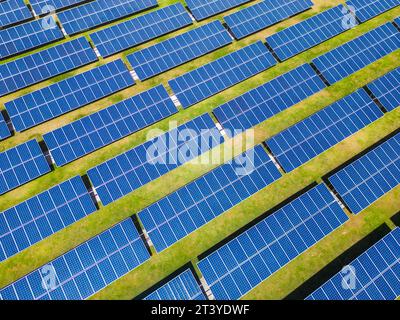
368,9
43,215
212,78
106,126
307,139
13,12
87,269
39,5
377,273
179,50
186,210
356,54
234,269
4,130
203,9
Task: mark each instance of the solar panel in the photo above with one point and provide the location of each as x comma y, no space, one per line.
179,50
96,13
4,131
308,33
106,126
387,89
45,64
260,104
12,12
397,21
367,9
43,215
203,9
263,15
240,265
144,28
212,78
377,274
68,95
85,270
307,139
186,210
367,179
39,5
358,53
20,165
129,171
182,287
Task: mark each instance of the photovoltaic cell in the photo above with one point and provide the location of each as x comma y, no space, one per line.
4,131
203,9
12,12
38,5
368,9
43,215
397,21
243,263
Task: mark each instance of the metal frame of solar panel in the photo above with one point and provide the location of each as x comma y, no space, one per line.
377,273
67,95
106,126
37,67
263,15
139,30
182,287
368,9
219,75
85,270
13,12
308,33
307,139
243,263
4,130
387,89
176,51
41,7
260,104
100,12
367,179
43,215
356,54
203,9
21,164
129,171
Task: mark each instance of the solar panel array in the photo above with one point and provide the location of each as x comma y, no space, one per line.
367,179
377,273
221,74
179,50
262,15
43,215
131,170
308,33
387,89
186,210
38,5
12,12
263,102
202,9
4,131
45,64
182,287
99,12
367,9
69,94
358,53
240,265
106,126
316,134
20,165
85,270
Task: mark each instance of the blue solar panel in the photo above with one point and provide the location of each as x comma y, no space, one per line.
186,210
387,89
262,103
179,50
39,6
358,53
377,274
264,14
69,94
4,131
133,32
131,170
203,9
367,179
237,267
308,33
45,64
43,215
12,12
96,13
397,21
367,9
316,134
106,126
20,165
182,287
221,74
85,270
